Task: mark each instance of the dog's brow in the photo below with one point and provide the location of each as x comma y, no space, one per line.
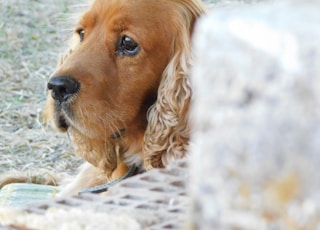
88,19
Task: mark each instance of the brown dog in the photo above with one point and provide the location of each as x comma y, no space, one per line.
122,91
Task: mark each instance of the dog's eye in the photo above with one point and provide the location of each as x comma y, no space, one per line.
127,46
81,33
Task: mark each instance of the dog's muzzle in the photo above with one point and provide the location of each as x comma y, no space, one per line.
63,88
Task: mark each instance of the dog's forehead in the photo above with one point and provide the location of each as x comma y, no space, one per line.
131,4
143,20
145,12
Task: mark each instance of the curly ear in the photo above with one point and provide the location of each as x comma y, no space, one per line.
168,131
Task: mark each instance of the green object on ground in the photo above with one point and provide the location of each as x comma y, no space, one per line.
20,194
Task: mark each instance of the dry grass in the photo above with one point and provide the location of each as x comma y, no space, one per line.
32,34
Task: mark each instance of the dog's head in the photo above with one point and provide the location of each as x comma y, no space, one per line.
126,58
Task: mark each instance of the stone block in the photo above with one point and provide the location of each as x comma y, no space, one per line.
256,113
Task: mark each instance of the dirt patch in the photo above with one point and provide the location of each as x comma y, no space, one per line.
32,34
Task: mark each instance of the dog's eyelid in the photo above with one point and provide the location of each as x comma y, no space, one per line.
78,28
81,33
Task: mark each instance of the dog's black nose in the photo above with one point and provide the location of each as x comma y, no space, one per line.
63,87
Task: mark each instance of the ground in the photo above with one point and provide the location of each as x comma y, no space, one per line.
32,35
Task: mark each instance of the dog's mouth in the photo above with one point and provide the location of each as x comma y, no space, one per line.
62,123
62,115
64,119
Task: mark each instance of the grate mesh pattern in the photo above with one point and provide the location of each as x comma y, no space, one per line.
156,199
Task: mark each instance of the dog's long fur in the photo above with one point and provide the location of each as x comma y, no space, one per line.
132,105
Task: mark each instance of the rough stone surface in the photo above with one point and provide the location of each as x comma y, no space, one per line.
256,112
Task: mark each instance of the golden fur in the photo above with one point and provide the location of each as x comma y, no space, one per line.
130,105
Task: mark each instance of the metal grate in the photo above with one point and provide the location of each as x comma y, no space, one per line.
156,199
